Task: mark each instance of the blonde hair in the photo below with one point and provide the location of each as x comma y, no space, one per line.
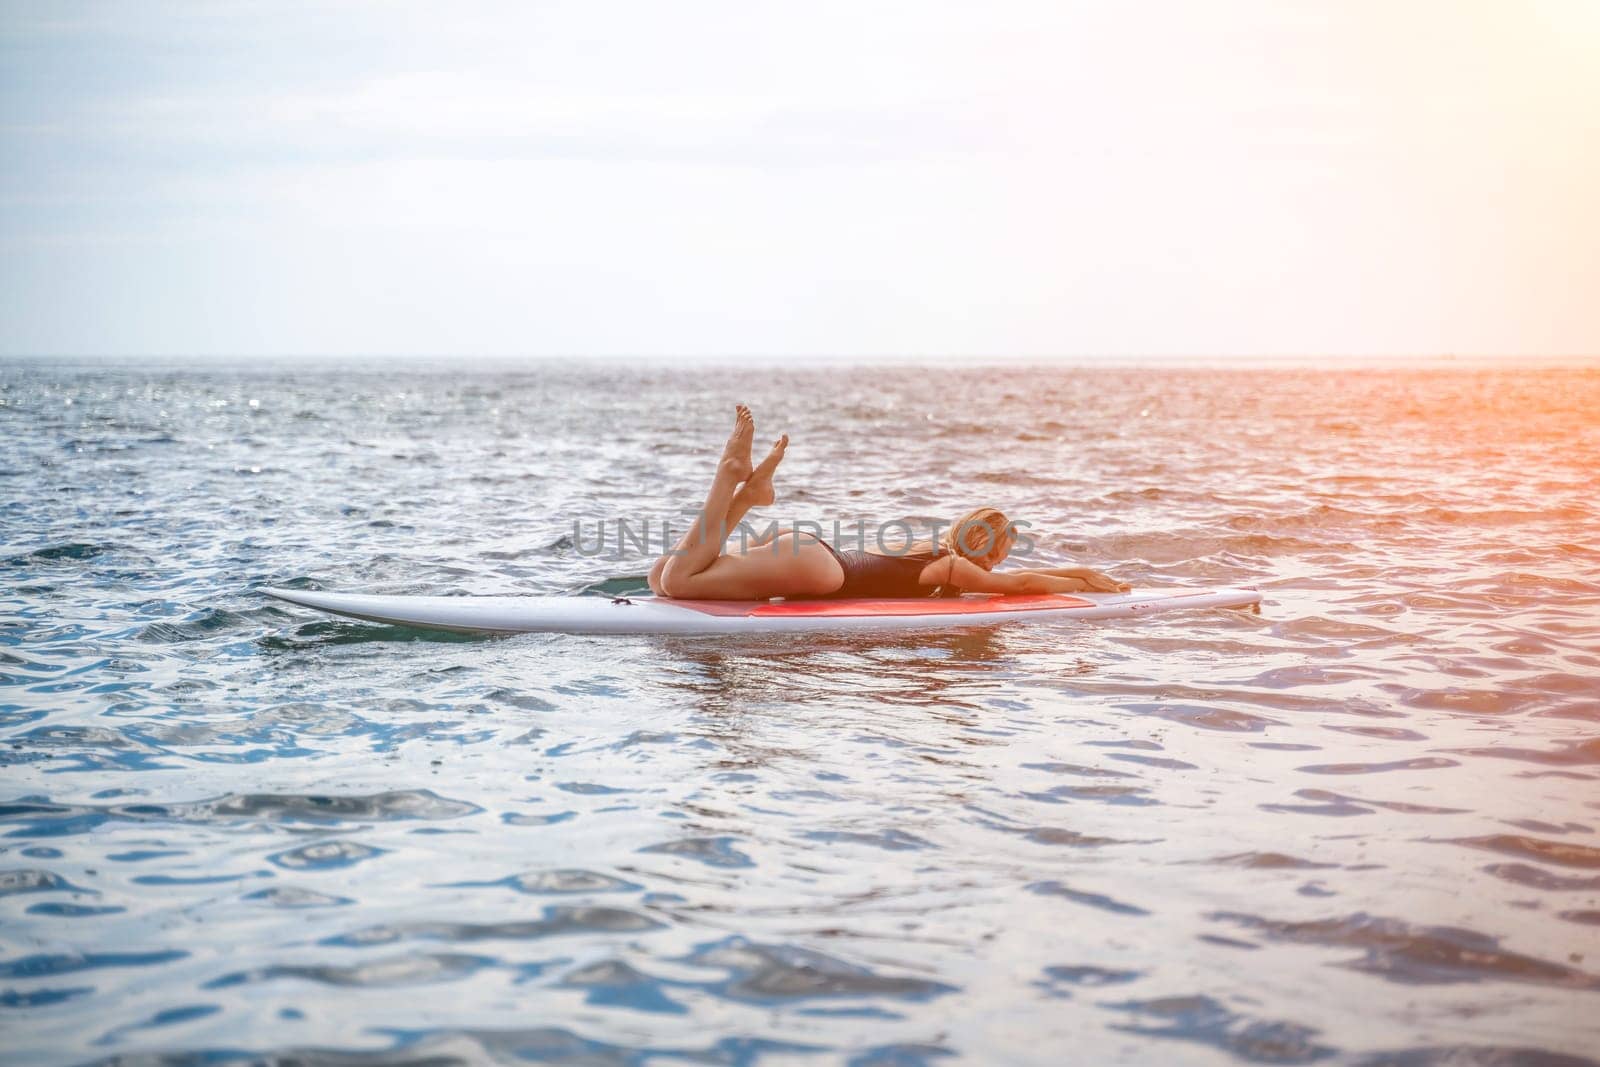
979,535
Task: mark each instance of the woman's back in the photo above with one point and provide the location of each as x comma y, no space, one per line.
867,574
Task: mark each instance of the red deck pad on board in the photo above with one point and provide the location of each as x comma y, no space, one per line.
854,608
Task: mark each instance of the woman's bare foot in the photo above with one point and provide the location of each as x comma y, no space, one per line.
736,455
757,490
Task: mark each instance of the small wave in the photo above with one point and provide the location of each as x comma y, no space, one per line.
1094,900
1107,794
712,851
1417,763
358,633
890,840
557,921
1085,975
1561,853
1158,548
1539,878
556,881
1569,754
325,856
1473,1056
1269,861
286,896
1424,955
1208,717
386,973
196,627
766,973
1205,1021
506,1045
65,551
49,965
1064,838
42,818
31,880
1325,802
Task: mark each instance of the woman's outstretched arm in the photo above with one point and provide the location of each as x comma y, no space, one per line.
1095,582
964,574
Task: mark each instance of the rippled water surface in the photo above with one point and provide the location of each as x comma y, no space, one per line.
1359,827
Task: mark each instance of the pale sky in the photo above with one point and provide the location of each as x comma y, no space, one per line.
1015,178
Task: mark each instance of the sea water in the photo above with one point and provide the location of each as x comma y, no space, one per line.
1359,827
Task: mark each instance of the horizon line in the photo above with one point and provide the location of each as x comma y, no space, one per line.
691,358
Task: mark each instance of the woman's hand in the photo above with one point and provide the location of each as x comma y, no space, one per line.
1095,582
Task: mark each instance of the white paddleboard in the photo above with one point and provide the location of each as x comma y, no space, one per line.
656,615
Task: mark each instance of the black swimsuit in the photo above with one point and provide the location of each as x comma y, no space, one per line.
867,574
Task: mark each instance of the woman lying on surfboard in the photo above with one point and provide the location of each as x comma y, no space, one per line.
791,563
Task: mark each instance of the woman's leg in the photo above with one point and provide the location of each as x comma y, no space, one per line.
793,564
704,540
738,507
788,564
755,492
